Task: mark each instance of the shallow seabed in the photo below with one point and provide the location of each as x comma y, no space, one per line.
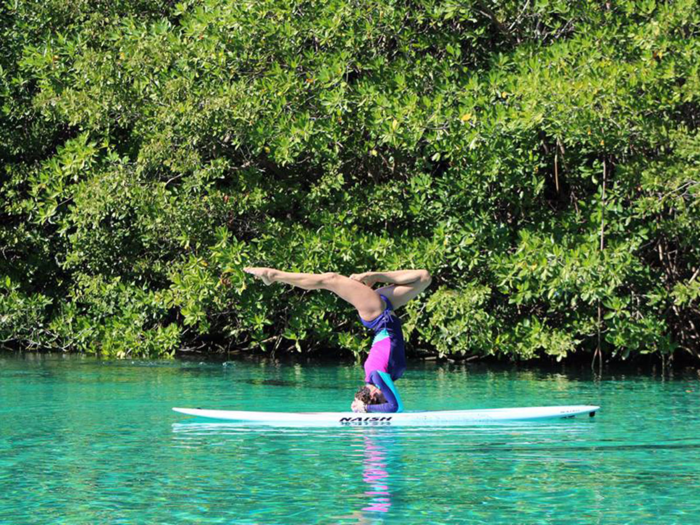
90,441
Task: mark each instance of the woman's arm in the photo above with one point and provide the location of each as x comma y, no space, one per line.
391,405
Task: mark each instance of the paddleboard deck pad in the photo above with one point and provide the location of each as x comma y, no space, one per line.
425,418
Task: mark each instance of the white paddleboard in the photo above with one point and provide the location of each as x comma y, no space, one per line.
438,417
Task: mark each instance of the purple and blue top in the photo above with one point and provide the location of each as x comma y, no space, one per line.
387,359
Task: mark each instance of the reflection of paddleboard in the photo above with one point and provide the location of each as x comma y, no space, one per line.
439,417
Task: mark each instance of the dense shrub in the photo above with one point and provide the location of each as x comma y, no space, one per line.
541,159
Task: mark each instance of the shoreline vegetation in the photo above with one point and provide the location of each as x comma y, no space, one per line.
540,160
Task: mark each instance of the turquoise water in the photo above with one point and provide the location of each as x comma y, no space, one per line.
88,441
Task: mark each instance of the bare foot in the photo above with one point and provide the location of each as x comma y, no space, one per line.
366,278
261,273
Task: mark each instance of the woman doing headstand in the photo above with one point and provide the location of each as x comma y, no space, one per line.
387,360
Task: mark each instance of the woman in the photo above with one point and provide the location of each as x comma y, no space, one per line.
386,361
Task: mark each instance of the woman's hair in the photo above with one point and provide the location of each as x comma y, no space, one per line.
364,394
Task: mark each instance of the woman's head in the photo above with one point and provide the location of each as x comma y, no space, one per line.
370,395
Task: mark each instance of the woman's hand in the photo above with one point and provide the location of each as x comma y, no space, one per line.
358,406
366,278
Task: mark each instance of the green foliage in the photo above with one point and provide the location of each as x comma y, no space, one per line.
540,159
457,321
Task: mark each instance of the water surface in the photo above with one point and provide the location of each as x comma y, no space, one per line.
90,441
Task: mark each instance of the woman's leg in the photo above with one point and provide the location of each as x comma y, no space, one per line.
367,302
404,285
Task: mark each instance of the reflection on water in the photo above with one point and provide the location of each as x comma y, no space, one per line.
375,447
376,475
